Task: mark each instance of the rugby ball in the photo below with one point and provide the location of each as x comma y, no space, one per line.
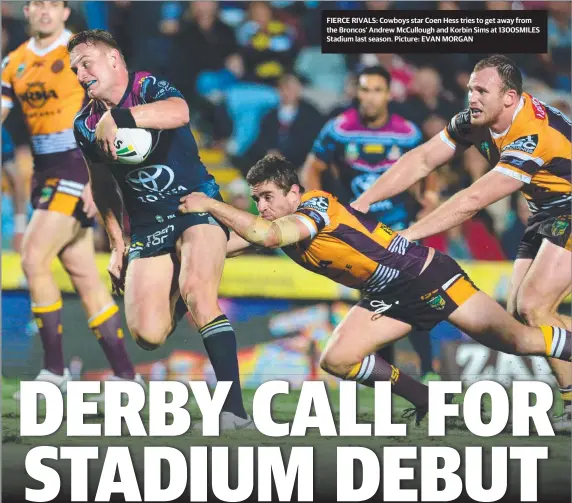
133,145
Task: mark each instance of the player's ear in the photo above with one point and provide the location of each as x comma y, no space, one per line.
67,13
510,97
26,10
115,57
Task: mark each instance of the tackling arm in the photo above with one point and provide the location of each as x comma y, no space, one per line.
409,169
254,229
236,245
462,206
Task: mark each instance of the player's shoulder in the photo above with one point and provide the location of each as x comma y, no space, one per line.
16,57
318,200
84,122
461,118
530,127
348,119
461,124
401,125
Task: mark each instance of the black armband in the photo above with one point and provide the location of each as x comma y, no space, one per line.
123,118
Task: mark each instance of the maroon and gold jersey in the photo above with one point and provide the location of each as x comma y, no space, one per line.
535,149
351,248
48,91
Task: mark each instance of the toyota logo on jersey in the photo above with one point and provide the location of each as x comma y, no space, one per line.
156,178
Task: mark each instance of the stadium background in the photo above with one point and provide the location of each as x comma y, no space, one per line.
229,59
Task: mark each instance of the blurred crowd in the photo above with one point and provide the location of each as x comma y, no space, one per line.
257,82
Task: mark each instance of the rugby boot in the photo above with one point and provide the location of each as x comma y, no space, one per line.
60,381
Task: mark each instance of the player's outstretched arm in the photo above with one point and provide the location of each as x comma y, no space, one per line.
236,245
487,190
254,229
409,169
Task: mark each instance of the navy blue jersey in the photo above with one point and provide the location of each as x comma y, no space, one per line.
152,190
363,154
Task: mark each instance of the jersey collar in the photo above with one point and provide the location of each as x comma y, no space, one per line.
518,109
61,40
128,90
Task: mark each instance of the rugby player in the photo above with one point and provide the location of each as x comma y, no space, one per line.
38,75
168,256
527,143
405,285
361,144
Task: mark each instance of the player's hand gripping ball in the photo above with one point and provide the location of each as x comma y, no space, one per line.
125,145
133,146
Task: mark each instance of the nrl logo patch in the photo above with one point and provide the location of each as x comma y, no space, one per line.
525,144
559,227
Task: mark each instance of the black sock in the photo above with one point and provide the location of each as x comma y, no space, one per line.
421,342
220,343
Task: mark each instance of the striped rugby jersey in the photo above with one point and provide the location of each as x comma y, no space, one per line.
535,149
48,91
352,248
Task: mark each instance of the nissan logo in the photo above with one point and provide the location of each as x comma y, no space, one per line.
156,178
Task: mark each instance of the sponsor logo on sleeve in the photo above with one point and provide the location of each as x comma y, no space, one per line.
525,144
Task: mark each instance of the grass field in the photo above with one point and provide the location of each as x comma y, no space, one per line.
553,473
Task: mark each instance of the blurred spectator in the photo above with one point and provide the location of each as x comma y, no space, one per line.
238,195
267,45
208,49
288,129
559,45
146,31
472,240
13,29
402,73
428,99
349,98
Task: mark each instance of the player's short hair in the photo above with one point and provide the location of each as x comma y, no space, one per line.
93,37
30,1
274,168
378,70
507,69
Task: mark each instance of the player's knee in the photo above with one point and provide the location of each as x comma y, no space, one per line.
336,363
146,345
531,311
33,262
150,338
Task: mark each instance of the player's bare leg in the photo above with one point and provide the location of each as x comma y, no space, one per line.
519,270
203,253
487,322
47,233
150,289
104,319
350,354
546,284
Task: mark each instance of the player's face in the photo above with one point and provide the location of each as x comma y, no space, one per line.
271,201
93,65
46,18
373,95
486,100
